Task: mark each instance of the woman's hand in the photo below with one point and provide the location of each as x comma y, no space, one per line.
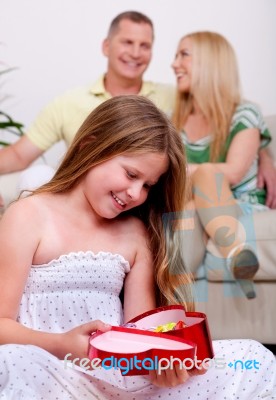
76,341
173,376
267,177
1,201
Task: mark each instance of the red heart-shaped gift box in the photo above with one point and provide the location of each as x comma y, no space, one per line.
136,350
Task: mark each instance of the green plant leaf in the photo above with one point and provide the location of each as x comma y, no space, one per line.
4,71
6,122
10,125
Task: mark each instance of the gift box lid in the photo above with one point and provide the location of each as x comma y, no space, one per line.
196,330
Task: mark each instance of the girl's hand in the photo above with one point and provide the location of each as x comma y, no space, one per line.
76,341
173,376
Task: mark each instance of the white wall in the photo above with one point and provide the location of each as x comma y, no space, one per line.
56,44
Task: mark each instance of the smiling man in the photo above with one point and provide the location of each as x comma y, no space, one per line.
128,48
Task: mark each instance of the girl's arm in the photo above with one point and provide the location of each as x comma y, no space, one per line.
139,286
241,154
19,239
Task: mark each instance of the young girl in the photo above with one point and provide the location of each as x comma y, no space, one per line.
222,136
69,248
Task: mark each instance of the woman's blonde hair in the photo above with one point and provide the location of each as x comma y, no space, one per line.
133,124
215,87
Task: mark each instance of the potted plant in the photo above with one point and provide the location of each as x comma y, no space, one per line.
6,122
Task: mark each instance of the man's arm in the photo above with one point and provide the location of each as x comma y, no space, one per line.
18,156
267,176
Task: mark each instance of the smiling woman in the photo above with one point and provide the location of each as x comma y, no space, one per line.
224,136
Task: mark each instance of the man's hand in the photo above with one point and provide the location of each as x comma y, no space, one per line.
267,177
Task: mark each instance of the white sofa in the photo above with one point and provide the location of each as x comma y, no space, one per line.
230,314
9,183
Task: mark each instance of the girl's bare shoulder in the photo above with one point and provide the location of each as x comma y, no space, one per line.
132,223
31,208
134,230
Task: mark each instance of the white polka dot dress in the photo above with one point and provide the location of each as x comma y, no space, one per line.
80,287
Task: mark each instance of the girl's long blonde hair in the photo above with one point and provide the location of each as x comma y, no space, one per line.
133,124
215,87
